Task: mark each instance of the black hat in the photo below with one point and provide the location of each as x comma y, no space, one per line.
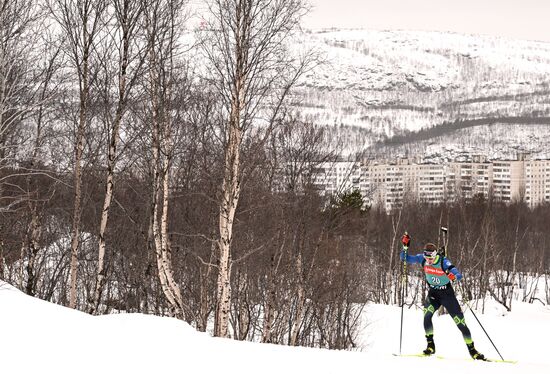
430,250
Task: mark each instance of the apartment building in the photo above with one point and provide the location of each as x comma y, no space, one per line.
331,178
509,181
537,182
390,183
468,179
431,183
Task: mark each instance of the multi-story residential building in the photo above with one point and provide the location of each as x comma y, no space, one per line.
331,178
537,182
390,183
509,181
431,183
467,179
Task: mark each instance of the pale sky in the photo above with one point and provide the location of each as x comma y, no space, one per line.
520,19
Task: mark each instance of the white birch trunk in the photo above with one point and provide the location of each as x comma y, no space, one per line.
161,171
162,247
230,199
100,276
165,244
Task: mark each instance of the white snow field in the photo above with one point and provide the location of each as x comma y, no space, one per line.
40,337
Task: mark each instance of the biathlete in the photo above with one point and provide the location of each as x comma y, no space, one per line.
440,274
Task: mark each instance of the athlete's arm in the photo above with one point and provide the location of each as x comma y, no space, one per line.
412,259
451,270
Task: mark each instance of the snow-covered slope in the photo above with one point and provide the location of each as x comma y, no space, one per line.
392,82
39,337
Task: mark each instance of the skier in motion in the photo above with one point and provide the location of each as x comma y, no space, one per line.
440,274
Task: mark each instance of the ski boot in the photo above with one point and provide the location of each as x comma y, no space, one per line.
474,353
430,350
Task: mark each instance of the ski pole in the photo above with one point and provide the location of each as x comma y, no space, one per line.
445,240
403,285
478,321
465,295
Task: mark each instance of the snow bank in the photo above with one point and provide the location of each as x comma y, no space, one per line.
37,336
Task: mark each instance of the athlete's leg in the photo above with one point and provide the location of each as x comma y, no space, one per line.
450,303
431,305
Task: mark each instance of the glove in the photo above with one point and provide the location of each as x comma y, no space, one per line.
406,240
452,277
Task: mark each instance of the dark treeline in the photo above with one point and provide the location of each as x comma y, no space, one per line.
132,180
443,129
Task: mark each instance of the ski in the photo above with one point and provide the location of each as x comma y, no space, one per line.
412,355
502,361
471,359
453,358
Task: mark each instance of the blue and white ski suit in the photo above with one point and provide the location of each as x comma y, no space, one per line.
439,277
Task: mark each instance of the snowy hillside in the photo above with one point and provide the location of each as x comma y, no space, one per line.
39,337
389,83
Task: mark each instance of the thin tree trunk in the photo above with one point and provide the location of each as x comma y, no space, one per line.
2,105
109,188
77,179
33,248
204,309
269,310
2,261
300,302
242,307
98,289
203,295
300,292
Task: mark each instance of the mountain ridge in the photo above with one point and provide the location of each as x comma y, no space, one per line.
397,83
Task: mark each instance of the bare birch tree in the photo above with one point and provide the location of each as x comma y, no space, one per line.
163,23
81,22
125,49
245,44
